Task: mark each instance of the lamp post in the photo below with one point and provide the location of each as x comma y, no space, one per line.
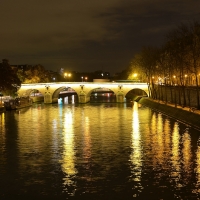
82,78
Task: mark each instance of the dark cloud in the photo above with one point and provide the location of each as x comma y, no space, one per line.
87,35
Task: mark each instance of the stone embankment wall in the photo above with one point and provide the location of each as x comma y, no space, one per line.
191,118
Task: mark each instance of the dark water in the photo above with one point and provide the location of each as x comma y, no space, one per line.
97,151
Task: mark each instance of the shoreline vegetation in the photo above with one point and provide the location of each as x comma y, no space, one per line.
187,115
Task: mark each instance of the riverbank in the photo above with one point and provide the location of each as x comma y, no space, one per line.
186,115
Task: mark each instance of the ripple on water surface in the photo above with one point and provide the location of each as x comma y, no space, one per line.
110,151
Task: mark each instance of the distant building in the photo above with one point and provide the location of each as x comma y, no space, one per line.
101,75
54,76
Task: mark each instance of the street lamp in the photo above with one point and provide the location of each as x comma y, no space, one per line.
67,75
185,79
134,75
82,78
174,79
86,79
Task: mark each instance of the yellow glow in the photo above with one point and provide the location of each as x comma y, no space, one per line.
135,75
159,145
2,118
154,138
174,76
2,129
136,155
167,137
135,121
175,158
68,156
186,152
87,140
198,168
67,74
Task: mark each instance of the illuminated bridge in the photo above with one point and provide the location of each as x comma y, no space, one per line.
51,91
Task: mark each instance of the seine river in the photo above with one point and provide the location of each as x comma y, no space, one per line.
95,151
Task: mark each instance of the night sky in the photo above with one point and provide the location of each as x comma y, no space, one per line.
87,35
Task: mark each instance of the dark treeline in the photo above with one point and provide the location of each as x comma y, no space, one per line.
172,69
12,76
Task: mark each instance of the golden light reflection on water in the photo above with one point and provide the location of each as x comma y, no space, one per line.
159,138
175,158
198,168
186,151
167,136
68,156
156,140
87,140
136,155
2,139
2,124
92,145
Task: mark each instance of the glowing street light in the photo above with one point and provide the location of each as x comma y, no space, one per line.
174,79
134,75
67,75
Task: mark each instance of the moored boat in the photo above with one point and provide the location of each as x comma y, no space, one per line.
18,103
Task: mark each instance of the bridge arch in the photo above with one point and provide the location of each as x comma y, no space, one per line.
99,90
137,92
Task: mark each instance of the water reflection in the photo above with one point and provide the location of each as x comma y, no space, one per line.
186,151
2,141
69,99
87,142
159,145
197,169
136,155
175,158
116,151
68,155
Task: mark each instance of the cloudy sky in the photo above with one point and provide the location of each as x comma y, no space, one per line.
87,35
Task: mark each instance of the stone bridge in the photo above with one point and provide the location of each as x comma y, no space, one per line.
83,89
